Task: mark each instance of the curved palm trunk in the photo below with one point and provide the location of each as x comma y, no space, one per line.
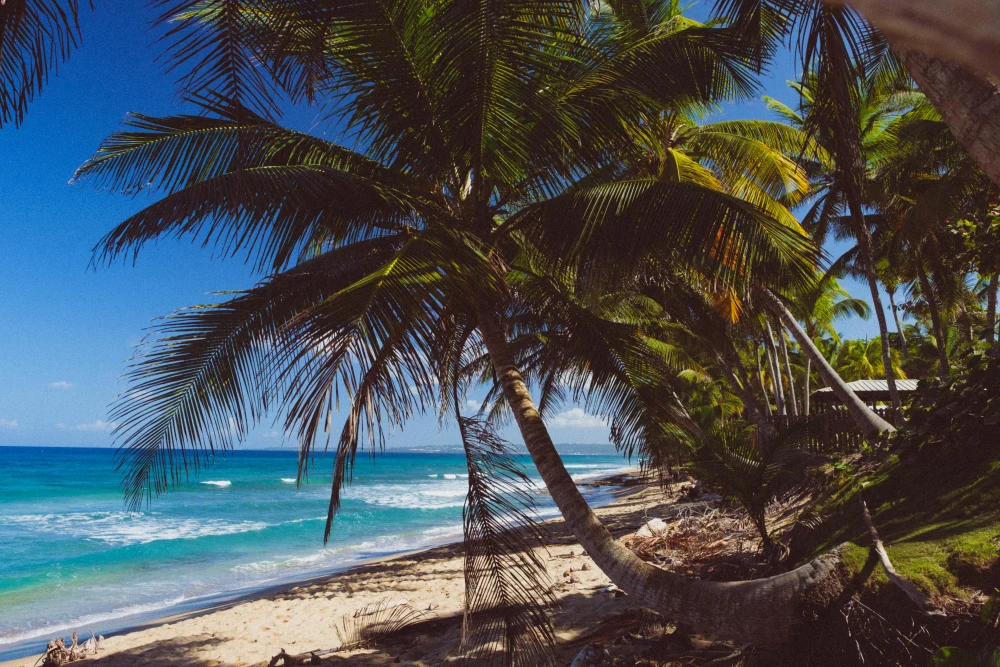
968,103
762,611
866,418
936,323
868,264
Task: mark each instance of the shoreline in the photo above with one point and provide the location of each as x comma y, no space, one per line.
618,485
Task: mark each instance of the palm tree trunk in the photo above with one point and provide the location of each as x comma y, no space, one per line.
750,405
775,366
868,264
763,387
761,611
991,310
788,371
968,103
936,323
805,396
899,327
866,418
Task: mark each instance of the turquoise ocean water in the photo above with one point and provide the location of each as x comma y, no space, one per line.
72,557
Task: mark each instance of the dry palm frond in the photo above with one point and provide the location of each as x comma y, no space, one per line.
374,622
506,585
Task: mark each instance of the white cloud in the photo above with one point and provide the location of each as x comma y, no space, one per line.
473,404
272,435
576,418
61,384
100,426
9,423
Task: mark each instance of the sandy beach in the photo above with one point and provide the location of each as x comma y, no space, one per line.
303,617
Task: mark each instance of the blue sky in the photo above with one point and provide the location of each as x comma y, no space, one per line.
66,330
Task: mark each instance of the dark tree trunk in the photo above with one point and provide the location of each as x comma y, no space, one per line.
932,304
866,418
762,611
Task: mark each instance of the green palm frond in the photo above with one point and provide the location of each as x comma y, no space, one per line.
175,152
620,224
35,36
506,584
207,374
218,48
265,212
750,468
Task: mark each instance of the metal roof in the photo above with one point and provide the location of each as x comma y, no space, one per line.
868,389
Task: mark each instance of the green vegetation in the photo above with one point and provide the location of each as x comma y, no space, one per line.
537,199
937,508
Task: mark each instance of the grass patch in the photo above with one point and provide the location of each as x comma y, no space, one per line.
938,513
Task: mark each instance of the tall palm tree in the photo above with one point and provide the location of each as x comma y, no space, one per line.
841,182
481,194
966,99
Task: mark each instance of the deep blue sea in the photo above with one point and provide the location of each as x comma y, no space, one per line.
72,557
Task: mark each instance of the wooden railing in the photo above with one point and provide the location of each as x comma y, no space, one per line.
830,429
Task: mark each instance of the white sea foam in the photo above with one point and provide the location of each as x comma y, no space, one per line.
127,528
451,476
421,495
288,480
433,476
330,557
222,483
56,628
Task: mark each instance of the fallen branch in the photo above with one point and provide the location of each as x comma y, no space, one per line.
911,591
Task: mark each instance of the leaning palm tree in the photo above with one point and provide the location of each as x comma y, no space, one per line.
481,202
818,307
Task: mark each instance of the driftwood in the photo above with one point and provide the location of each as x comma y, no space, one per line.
911,591
57,653
966,32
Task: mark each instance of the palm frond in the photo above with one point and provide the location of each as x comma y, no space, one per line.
507,588
370,624
618,225
206,375
218,47
35,36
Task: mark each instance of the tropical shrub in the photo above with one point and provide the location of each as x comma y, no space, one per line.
960,411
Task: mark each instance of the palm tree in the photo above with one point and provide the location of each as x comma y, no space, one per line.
35,36
818,308
481,197
861,360
827,35
842,184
